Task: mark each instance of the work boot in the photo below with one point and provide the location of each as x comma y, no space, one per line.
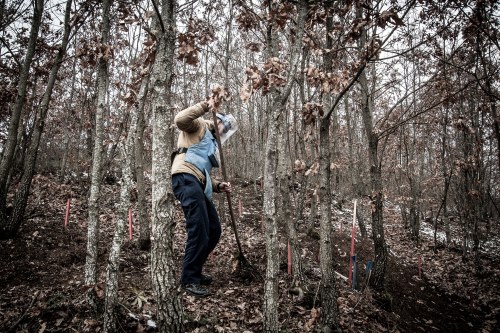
196,290
206,280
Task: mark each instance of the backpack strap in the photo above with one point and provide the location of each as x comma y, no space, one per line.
182,150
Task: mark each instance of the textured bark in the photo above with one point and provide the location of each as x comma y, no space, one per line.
272,180
271,322
142,211
381,251
96,179
170,313
271,287
122,207
329,307
7,228
285,187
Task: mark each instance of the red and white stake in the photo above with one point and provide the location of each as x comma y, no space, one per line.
353,235
66,220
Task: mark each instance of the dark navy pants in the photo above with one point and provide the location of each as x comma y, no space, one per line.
202,225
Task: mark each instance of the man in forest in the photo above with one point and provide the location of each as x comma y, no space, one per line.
192,162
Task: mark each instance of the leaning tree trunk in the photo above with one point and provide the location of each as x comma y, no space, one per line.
96,179
170,313
22,194
7,228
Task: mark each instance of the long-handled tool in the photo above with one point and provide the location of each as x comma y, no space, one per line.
241,257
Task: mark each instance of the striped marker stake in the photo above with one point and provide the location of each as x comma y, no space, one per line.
353,234
130,223
289,259
66,220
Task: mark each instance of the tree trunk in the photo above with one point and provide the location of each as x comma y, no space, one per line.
329,307
7,228
142,211
271,322
67,134
272,180
122,208
165,285
381,251
285,187
96,179
271,287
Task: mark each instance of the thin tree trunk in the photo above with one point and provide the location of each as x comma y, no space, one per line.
113,268
381,251
142,211
165,285
271,183
96,179
285,187
271,287
329,307
22,194
69,112
6,163
271,322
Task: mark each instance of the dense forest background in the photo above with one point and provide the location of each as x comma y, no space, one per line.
389,104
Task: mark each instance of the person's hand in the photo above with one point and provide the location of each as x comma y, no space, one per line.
224,187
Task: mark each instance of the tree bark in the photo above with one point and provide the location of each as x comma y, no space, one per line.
376,197
142,211
96,172
122,208
271,322
165,286
272,180
329,307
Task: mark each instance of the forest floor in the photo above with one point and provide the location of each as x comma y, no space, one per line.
42,274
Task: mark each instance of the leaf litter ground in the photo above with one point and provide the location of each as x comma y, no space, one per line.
42,274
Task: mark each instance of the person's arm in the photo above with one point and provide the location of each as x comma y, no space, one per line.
187,119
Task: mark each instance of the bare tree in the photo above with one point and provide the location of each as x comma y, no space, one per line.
329,312
123,206
97,156
142,211
165,284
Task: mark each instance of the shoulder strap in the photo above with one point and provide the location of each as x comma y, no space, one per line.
182,150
